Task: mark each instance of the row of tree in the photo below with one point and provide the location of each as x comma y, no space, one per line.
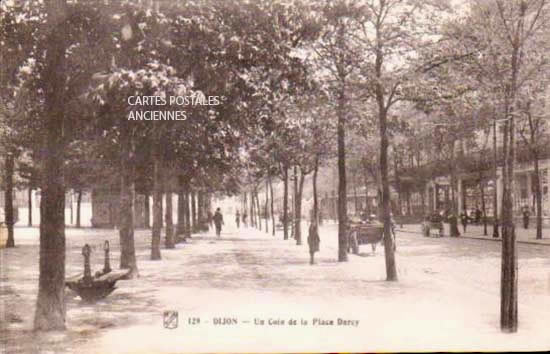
433,82
75,83
298,82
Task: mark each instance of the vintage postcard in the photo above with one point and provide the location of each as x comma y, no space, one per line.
274,176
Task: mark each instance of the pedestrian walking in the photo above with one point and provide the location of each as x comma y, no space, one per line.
238,219
478,215
313,241
464,220
218,221
244,219
526,215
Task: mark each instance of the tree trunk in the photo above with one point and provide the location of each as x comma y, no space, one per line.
355,201
483,207
423,199
315,198
266,205
495,178
169,240
161,203
464,197
180,228
409,210
258,211
200,210
285,204
508,285
147,212
342,188
294,206
453,221
253,211
509,266
187,210
208,207
391,272
8,198
29,205
243,203
246,210
71,207
252,208
157,208
538,196
78,205
272,211
508,282
399,189
50,305
194,226
205,209
298,224
127,197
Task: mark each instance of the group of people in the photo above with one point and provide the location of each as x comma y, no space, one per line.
239,218
474,217
313,239
478,214
217,219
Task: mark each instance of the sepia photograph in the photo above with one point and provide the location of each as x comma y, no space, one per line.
274,176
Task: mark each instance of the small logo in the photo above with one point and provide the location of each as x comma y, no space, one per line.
170,319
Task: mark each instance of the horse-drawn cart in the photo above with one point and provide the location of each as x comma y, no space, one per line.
432,222
370,232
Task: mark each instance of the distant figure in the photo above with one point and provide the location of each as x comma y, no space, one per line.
435,217
244,219
464,220
526,215
238,219
218,221
453,223
478,215
313,242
